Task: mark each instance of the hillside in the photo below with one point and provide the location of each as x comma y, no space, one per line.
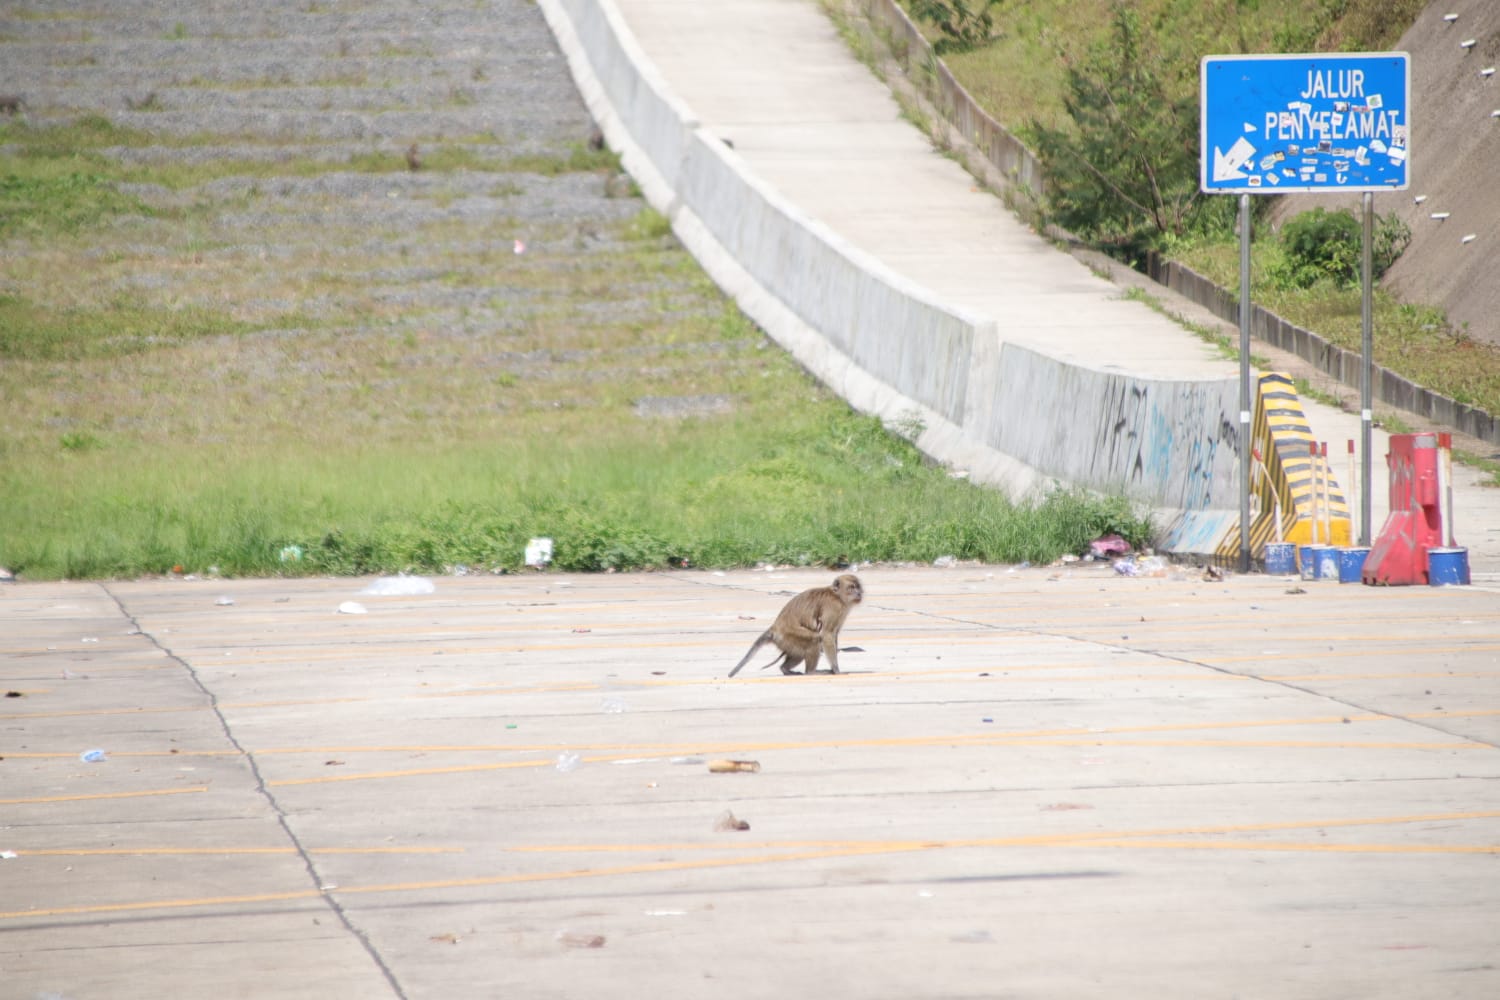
1437,326
1456,145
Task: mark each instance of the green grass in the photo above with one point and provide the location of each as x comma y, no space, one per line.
30,331
1413,340
699,493
1020,76
1483,463
179,397
56,198
61,178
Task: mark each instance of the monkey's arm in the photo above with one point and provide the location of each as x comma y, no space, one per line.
802,636
807,627
831,649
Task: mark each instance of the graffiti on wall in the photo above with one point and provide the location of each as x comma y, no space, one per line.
1171,444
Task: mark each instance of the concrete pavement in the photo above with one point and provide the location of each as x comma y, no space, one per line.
1030,782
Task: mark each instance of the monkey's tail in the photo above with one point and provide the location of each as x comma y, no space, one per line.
765,637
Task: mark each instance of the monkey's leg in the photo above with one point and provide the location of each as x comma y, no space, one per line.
789,662
831,647
812,662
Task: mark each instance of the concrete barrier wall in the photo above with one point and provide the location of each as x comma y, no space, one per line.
888,326
1170,443
630,96
1012,416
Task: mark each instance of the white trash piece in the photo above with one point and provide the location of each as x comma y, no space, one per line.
399,586
352,608
539,552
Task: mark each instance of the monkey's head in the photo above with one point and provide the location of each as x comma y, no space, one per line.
849,589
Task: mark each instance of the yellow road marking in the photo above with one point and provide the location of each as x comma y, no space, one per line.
818,850
163,904
1033,840
159,710
420,772
1331,654
74,852
1062,738
1068,736
1253,845
998,674
100,795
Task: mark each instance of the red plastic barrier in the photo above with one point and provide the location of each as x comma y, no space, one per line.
1415,522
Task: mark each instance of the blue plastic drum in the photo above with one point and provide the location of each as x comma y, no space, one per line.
1448,567
1352,563
1281,558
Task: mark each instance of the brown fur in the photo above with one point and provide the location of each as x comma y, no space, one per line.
809,626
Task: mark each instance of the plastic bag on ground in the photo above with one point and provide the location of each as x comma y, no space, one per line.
1109,545
399,586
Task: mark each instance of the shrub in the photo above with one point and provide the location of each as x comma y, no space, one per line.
1124,174
1326,246
965,24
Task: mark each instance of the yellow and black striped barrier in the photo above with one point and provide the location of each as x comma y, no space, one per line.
1288,484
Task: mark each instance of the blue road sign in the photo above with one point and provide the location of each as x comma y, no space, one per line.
1323,122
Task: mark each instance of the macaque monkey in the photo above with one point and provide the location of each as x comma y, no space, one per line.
808,625
413,157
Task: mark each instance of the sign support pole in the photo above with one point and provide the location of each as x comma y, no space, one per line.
1366,368
1244,383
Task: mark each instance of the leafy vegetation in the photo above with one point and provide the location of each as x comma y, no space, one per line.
963,24
1125,172
59,183
62,177
1322,246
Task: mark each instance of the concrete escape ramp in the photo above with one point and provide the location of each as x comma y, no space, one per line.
912,293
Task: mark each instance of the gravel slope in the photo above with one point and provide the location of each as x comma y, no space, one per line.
310,81
304,222
362,75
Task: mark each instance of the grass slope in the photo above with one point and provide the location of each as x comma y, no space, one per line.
218,365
